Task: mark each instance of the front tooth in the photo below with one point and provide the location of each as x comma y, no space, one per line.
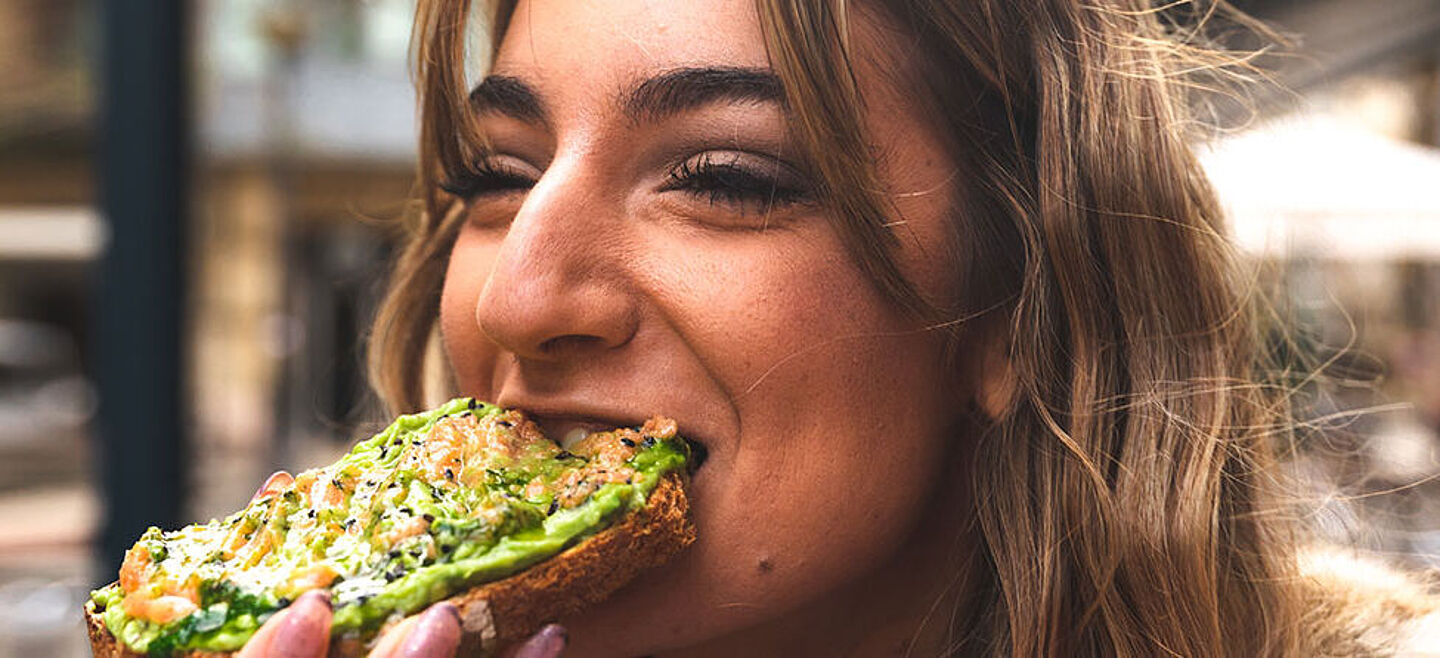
573,437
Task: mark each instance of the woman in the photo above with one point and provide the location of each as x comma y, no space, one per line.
938,284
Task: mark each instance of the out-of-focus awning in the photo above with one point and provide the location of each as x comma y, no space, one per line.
1316,187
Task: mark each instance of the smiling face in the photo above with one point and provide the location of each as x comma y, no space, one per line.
644,239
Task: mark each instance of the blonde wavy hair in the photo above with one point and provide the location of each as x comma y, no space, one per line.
1126,492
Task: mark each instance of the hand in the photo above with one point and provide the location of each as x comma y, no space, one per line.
302,630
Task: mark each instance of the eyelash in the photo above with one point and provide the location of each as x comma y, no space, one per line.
486,177
706,177
730,182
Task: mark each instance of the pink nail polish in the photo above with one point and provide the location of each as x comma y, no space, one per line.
276,480
305,631
548,643
436,634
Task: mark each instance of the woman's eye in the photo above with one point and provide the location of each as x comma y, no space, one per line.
496,174
746,182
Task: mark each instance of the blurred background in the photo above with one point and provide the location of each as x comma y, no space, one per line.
197,203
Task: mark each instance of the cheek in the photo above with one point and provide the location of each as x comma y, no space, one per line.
843,408
470,354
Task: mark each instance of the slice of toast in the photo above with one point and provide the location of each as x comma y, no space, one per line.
499,613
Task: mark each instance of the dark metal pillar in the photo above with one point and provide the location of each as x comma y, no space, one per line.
143,166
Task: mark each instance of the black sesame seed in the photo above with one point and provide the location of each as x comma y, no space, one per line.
394,554
472,404
628,443
649,442
408,511
564,454
504,423
429,518
282,601
554,505
311,513
449,474
446,548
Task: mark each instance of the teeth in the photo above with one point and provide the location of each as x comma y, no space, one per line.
573,437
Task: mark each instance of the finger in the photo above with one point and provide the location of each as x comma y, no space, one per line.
260,641
273,484
436,634
548,643
300,631
389,644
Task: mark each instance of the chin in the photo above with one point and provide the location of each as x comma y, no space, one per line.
652,614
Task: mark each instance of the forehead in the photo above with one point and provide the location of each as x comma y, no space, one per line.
606,43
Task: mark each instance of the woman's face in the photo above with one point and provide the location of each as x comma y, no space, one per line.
647,241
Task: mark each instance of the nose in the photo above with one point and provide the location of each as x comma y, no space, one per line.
558,288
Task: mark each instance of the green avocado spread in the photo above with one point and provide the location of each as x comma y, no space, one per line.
437,503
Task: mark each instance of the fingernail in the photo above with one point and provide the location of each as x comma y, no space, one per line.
436,633
276,480
316,597
548,643
305,632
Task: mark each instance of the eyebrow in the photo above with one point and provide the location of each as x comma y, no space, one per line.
510,96
666,94
679,90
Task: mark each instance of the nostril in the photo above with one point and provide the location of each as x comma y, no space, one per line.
570,343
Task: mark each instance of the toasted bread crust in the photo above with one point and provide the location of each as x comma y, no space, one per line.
499,613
